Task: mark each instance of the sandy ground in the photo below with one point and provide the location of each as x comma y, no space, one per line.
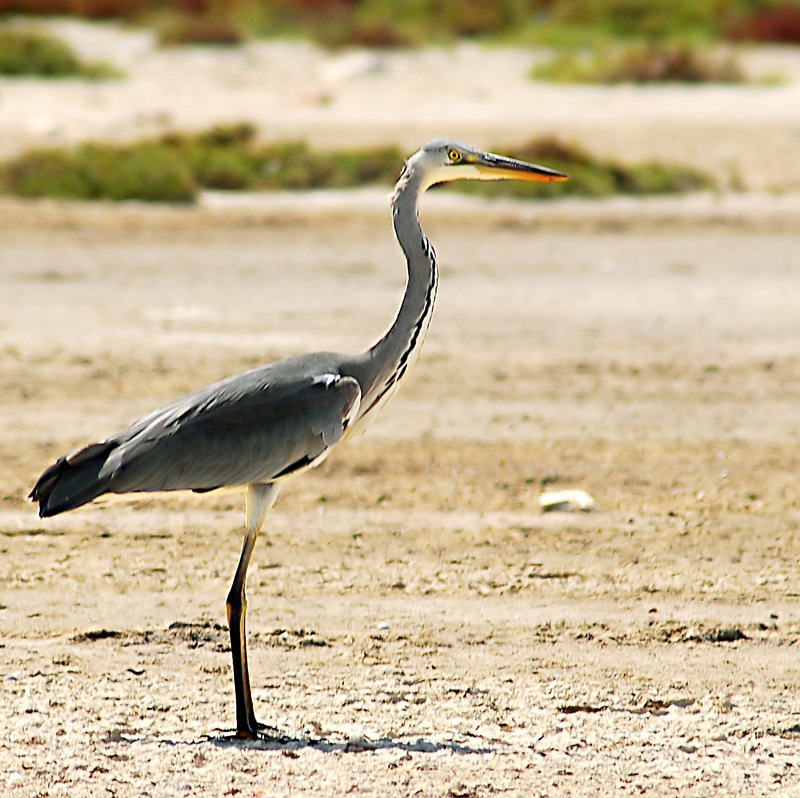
417,626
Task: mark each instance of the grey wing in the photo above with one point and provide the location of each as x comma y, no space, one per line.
257,427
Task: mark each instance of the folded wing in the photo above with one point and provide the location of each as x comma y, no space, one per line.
257,427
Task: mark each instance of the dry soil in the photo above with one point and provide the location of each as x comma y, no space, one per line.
417,626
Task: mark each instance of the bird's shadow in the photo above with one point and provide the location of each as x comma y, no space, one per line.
357,745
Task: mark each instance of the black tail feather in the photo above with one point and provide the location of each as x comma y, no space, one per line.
72,481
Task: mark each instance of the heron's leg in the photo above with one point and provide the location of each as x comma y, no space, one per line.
260,497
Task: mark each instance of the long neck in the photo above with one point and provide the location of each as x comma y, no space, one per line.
387,362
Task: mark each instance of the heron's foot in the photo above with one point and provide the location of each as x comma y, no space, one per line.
263,733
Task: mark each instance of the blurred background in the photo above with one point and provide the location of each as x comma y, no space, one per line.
403,23
161,99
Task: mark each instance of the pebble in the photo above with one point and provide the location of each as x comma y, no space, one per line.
567,501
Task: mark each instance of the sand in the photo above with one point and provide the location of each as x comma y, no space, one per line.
417,626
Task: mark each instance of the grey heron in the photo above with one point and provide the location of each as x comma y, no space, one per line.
274,422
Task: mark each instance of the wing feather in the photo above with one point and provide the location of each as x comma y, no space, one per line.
259,426
244,433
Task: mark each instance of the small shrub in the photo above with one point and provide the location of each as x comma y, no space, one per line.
780,25
475,17
88,9
291,165
642,63
236,134
220,168
28,52
388,23
654,19
671,63
362,167
349,31
381,34
658,178
177,29
145,172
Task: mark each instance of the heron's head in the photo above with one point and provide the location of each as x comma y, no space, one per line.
442,160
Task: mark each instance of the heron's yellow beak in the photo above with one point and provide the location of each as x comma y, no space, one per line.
498,167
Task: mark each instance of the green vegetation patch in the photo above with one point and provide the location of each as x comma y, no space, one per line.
230,157
177,166
177,27
592,23
387,23
383,23
33,53
641,63
144,171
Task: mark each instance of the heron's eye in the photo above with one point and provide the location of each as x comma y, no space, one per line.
454,155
